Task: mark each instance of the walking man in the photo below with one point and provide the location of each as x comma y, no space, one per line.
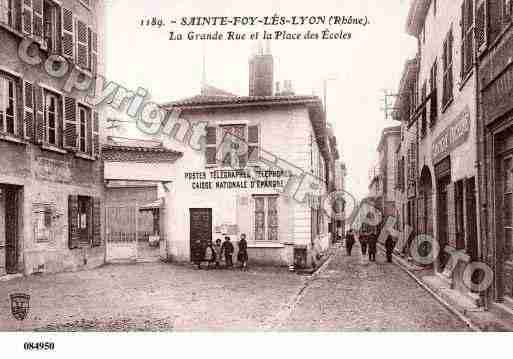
372,243
363,242
349,242
389,246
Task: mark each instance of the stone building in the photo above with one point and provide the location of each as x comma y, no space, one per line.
50,173
264,171
441,121
494,47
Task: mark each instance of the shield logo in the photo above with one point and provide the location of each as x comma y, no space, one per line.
20,305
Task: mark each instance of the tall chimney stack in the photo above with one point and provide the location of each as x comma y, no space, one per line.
261,72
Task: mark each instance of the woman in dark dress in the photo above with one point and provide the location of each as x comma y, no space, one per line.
242,256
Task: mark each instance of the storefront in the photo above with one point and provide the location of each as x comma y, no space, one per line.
496,90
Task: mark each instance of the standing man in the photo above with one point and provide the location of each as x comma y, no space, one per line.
372,242
228,250
389,246
349,242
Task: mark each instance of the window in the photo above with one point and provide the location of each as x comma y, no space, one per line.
266,218
447,66
51,16
7,105
467,37
433,113
238,145
507,11
52,118
84,119
232,152
434,7
8,13
43,222
84,216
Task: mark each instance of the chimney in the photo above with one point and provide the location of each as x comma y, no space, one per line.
287,88
261,72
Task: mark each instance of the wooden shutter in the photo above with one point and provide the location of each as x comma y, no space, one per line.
73,231
96,135
93,39
70,137
482,26
68,34
451,215
82,43
28,110
253,143
40,127
211,146
37,13
97,215
27,15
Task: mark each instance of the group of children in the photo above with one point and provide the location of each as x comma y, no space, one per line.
214,253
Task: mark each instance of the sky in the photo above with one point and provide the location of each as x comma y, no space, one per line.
359,69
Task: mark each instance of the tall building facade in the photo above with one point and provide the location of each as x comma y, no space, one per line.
437,160
50,173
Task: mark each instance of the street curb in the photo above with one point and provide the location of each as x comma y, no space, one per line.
453,309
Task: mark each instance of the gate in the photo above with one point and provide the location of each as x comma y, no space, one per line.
121,232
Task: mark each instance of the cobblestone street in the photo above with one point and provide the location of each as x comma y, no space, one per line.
348,294
355,294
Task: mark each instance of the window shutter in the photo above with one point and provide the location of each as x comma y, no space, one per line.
463,25
69,140
96,135
73,233
82,43
37,13
253,143
482,26
68,34
93,39
28,110
211,145
40,128
97,226
27,15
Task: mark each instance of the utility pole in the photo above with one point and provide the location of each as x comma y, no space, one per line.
325,90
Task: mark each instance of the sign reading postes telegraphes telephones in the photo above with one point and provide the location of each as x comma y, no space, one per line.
454,135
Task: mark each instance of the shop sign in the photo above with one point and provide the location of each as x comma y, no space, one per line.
52,170
454,135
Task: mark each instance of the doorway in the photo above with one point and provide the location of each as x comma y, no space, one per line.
200,230
9,205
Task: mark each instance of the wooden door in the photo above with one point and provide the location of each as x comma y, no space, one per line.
472,246
200,231
442,223
11,229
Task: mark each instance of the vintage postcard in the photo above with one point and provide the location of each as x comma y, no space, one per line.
255,166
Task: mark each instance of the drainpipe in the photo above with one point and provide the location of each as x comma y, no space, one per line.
482,174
